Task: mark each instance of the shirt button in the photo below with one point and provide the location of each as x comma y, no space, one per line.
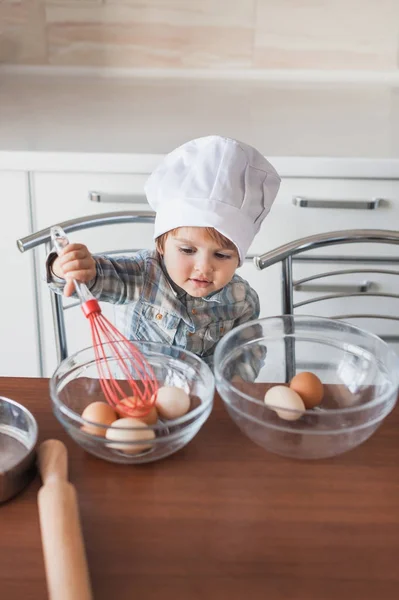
158,316
194,312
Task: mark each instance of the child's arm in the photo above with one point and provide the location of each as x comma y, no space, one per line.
116,280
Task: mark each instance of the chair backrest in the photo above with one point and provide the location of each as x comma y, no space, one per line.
66,336
60,306
359,288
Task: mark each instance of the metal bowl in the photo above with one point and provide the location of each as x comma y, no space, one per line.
18,440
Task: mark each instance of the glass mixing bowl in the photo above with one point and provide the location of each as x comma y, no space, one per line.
359,372
75,384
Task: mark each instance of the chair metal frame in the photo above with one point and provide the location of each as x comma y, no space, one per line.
286,254
43,238
294,251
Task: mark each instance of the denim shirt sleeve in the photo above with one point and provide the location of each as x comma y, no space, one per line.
118,280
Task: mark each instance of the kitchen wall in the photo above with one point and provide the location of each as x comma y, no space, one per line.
202,34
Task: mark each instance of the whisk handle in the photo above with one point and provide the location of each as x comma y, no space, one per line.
60,241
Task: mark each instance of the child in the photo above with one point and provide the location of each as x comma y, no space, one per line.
210,197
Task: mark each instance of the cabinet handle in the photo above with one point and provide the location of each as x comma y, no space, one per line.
304,202
363,287
117,198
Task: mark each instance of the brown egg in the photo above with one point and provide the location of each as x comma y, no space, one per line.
150,418
309,387
101,413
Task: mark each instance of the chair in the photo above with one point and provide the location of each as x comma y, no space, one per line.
300,250
42,238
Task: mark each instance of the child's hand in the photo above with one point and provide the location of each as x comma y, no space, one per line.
74,262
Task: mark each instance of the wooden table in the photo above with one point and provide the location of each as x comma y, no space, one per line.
221,519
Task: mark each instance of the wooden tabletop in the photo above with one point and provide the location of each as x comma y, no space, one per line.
221,519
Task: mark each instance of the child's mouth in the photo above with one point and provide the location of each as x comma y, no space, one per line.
202,283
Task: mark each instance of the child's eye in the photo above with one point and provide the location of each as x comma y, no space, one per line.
222,256
187,250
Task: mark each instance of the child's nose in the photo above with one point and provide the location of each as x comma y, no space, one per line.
204,265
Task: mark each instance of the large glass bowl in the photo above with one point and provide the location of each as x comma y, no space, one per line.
359,371
75,384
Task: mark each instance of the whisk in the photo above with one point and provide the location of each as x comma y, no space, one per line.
137,372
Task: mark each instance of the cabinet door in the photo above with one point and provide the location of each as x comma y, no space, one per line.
59,197
18,322
306,207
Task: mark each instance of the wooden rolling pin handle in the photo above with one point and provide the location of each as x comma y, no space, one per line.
53,461
63,548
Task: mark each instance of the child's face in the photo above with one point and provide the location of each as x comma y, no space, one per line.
196,263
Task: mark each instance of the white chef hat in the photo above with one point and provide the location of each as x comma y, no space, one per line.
214,182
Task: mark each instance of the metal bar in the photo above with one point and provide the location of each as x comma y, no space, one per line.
106,198
305,202
329,238
363,287
87,222
347,259
365,316
286,282
332,296
57,310
59,326
343,272
288,309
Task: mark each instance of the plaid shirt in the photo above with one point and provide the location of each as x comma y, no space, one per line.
159,311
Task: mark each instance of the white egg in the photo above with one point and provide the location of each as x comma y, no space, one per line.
172,402
122,430
282,397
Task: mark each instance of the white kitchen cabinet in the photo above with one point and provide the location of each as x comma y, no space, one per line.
57,197
19,354
306,206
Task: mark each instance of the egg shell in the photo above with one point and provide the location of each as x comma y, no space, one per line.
122,431
281,397
309,387
101,413
172,402
130,402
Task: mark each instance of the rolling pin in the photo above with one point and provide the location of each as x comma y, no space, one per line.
65,561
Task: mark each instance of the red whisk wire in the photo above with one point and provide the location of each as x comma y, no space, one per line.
130,362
